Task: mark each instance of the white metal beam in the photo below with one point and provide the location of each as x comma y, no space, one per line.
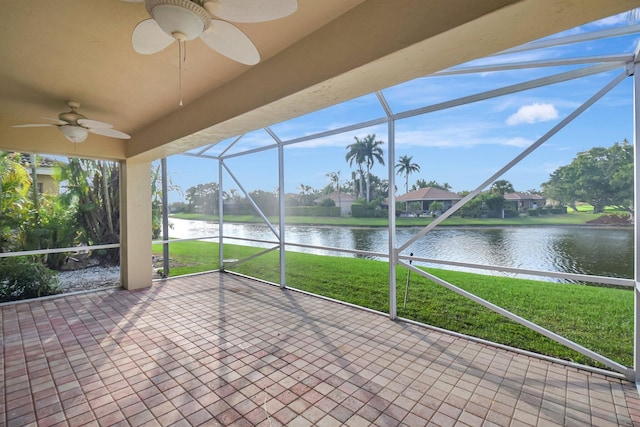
518,158
636,217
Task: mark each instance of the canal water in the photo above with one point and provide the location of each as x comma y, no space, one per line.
601,251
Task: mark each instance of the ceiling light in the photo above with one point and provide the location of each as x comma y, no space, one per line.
181,19
74,133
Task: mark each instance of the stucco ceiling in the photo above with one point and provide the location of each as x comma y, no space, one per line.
327,52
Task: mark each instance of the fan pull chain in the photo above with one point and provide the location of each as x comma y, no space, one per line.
180,42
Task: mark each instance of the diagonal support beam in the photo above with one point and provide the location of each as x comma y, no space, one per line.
518,158
524,322
253,203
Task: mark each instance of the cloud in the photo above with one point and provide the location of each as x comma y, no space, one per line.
533,113
518,142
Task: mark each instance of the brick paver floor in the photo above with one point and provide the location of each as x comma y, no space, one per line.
217,349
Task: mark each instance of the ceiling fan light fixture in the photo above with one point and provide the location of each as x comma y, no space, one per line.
74,133
181,19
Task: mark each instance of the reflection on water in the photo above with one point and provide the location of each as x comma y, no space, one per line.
597,251
364,240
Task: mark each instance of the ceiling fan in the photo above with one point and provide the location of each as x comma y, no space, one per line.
184,20
76,127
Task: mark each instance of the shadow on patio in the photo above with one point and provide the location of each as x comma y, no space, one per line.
218,349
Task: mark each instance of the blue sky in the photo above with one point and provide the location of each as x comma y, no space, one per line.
461,146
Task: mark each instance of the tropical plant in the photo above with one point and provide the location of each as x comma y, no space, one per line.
22,278
406,168
95,187
15,203
54,227
436,207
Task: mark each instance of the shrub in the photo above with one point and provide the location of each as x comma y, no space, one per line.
558,211
21,278
312,211
533,212
328,203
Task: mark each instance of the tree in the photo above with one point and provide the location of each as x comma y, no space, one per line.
600,177
365,152
266,201
406,168
378,187
421,183
501,187
493,202
203,198
95,186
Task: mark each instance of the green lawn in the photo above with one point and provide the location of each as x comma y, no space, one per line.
598,318
572,218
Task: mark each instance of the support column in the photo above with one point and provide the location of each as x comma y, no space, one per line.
135,224
636,217
220,218
393,252
165,218
283,276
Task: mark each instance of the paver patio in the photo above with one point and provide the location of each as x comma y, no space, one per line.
218,349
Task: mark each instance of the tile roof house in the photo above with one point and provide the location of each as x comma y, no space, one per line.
44,170
428,195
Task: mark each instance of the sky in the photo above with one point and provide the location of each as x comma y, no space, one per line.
462,146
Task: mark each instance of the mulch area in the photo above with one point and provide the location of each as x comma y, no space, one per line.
612,220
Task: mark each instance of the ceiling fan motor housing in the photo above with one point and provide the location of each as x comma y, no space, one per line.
71,116
181,19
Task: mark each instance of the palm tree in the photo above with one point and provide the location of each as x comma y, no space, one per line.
501,187
405,167
365,151
304,190
335,179
356,154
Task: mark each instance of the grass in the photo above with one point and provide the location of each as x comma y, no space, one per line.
573,218
600,319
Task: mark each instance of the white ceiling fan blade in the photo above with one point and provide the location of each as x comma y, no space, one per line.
94,124
112,133
56,121
148,38
35,125
250,11
228,40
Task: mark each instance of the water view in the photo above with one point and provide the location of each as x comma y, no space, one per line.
601,251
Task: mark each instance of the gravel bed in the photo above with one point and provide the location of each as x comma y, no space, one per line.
89,279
